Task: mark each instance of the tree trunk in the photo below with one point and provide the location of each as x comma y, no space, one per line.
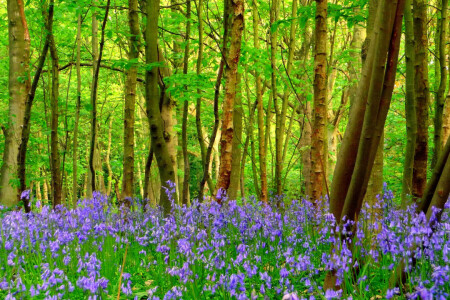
319,127
130,102
206,174
237,143
263,196
370,108
198,105
77,118
369,89
54,153
19,61
97,61
226,140
159,145
185,196
410,105
422,92
108,158
273,77
440,96
375,185
28,105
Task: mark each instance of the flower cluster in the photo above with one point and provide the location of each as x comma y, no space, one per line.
233,250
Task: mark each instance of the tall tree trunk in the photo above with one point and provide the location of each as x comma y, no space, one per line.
19,61
198,105
369,110
185,196
28,105
369,89
422,92
237,142
440,96
54,151
273,77
77,118
130,102
263,196
375,185
226,140
410,105
94,93
282,141
319,127
161,152
108,157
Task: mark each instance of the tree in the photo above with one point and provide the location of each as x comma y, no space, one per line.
130,100
93,152
19,85
54,97
28,105
422,94
226,140
152,95
259,98
410,106
440,95
319,127
369,110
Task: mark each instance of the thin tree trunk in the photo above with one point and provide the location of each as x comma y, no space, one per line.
237,142
410,105
440,96
198,105
375,185
206,174
422,92
77,118
108,157
278,133
130,102
319,131
19,61
263,196
96,69
54,153
28,105
185,196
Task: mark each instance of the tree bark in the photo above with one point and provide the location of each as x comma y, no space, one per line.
94,93
372,78
19,85
54,153
130,102
206,174
226,140
160,149
422,92
440,96
237,143
319,127
77,118
185,196
375,185
263,195
410,105
28,105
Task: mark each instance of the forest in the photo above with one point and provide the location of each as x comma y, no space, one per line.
236,149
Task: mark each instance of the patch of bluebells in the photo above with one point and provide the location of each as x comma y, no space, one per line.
228,251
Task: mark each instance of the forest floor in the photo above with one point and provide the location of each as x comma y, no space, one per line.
207,251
